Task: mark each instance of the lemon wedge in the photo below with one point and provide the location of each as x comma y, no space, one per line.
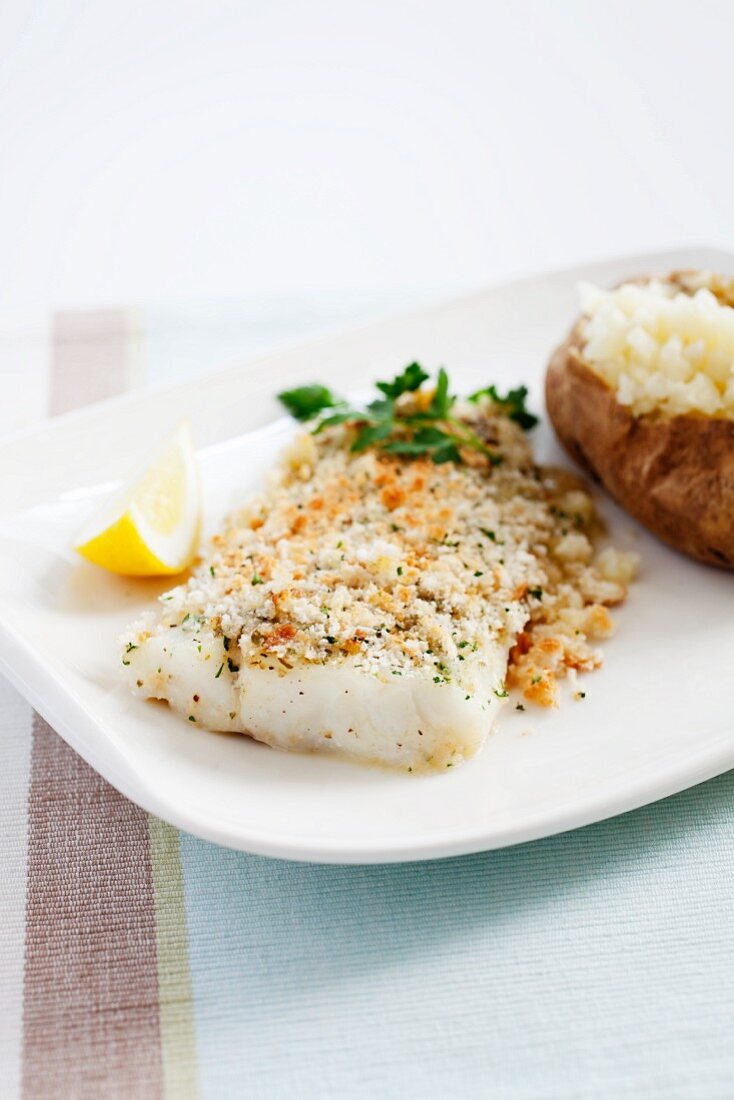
151,526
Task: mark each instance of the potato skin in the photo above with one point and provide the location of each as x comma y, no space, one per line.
676,475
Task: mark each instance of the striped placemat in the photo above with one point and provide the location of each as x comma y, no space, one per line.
107,1000
139,962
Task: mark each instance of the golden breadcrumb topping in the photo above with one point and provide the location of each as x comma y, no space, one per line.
402,564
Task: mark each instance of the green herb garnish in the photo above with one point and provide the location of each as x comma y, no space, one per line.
232,666
512,404
307,401
409,381
428,428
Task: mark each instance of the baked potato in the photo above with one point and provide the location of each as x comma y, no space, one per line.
644,400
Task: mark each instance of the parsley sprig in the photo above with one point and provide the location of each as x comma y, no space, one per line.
512,404
307,401
425,426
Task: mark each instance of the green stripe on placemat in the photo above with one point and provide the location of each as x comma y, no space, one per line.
178,1041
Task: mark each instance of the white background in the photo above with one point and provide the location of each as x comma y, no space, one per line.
163,149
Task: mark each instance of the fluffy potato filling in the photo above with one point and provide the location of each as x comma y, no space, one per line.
666,347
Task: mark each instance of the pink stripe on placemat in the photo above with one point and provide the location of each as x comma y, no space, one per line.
91,1021
91,1013
92,357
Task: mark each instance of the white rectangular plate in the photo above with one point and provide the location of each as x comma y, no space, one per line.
657,718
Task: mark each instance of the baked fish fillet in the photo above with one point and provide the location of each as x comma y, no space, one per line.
365,603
